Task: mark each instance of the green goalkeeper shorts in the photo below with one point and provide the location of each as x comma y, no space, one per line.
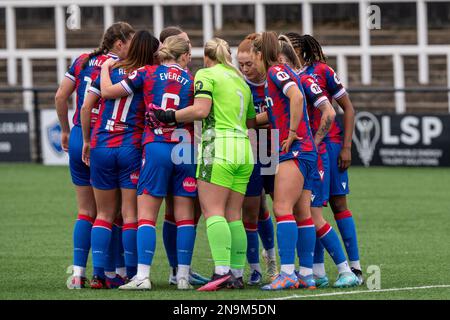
227,162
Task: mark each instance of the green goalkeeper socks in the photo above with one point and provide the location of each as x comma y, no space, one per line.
238,244
219,238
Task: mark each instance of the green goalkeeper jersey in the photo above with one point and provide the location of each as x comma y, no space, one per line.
232,101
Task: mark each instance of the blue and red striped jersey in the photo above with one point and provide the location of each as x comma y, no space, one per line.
120,121
259,96
168,86
83,79
314,97
279,79
329,82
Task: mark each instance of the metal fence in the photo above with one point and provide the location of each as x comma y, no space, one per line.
211,20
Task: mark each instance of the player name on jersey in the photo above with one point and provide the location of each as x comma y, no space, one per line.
173,76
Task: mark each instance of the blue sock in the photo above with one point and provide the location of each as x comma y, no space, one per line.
330,240
100,243
266,232
109,263
347,230
146,241
129,240
287,238
306,243
117,246
169,234
82,240
99,272
319,252
252,243
185,241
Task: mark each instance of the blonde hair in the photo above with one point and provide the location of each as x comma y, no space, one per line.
218,50
172,48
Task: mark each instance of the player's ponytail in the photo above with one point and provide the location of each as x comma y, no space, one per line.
117,31
172,48
307,47
267,44
218,50
143,48
288,51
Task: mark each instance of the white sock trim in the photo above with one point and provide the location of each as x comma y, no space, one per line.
287,268
305,271
271,253
143,271
221,270
238,273
343,267
355,264
255,266
121,271
183,271
319,270
79,271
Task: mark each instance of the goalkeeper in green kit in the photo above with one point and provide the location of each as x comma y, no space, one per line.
224,102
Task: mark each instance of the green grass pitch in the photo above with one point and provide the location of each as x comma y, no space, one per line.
401,214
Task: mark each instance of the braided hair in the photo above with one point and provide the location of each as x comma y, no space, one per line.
307,47
117,31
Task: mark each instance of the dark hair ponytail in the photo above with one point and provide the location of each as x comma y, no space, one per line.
142,51
308,47
117,31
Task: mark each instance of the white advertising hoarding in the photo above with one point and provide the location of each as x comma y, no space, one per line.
52,153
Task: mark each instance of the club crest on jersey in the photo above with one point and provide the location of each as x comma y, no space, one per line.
134,177
336,79
54,138
282,76
198,86
321,173
189,184
315,88
132,75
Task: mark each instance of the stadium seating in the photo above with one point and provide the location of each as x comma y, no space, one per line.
333,25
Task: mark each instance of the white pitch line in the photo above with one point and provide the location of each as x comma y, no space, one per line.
295,296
